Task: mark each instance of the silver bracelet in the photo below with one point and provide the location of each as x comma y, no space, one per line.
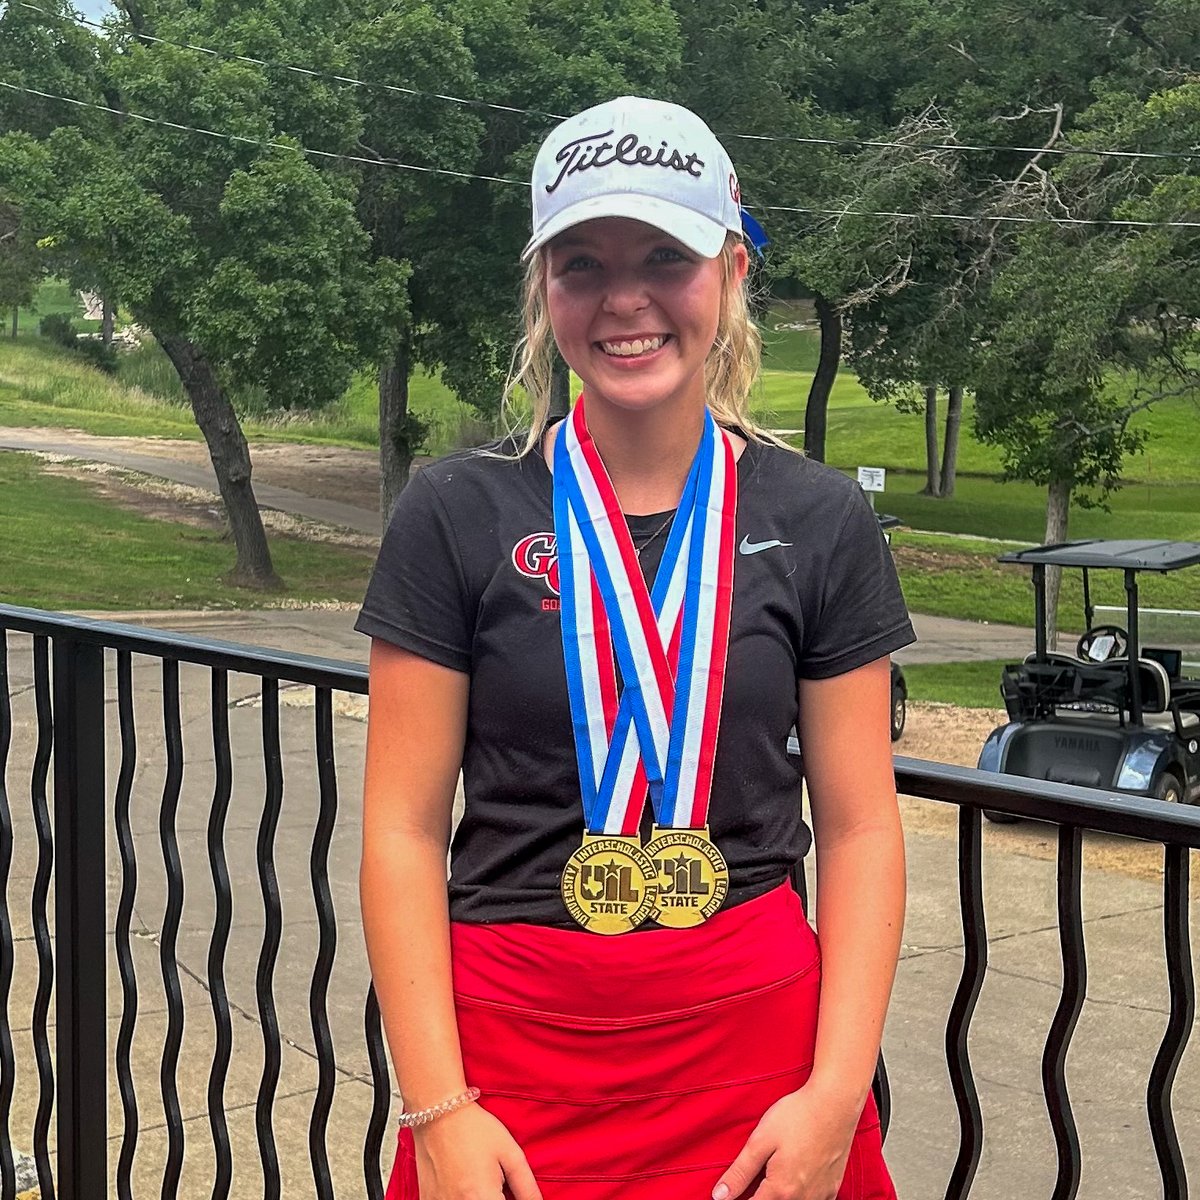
410,1120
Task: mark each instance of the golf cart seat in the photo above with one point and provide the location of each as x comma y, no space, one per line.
1059,685
1154,683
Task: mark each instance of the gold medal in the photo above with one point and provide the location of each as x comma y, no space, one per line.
691,875
608,884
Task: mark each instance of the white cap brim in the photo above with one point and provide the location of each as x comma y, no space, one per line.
698,233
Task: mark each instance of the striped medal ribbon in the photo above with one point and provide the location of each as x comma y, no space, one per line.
659,734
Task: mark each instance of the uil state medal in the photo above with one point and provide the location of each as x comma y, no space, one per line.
691,876
608,885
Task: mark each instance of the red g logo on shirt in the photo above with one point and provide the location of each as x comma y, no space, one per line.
536,557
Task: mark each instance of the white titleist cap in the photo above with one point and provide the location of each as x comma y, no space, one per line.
644,159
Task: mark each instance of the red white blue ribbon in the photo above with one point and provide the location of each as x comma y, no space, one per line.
662,734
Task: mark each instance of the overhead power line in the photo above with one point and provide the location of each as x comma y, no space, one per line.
839,143
395,164
237,137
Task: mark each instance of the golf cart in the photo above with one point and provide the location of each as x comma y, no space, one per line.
899,686
1116,714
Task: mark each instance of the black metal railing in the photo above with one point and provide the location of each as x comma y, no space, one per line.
1073,810
216,792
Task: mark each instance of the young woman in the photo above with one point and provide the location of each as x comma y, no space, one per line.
611,632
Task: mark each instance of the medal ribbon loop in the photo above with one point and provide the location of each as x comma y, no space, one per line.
671,642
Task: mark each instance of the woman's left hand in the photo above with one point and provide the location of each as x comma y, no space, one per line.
798,1151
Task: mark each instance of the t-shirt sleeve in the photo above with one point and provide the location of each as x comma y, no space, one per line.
861,614
417,597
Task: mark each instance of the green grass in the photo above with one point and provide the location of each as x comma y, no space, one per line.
786,348
966,684
96,555
43,385
954,577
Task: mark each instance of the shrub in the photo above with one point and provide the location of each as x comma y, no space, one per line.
59,328
98,354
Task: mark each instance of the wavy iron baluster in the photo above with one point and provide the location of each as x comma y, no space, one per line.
41,928
1182,987
381,1105
125,908
8,1066
222,922
882,1089
272,927
958,1024
170,931
327,948
1070,1004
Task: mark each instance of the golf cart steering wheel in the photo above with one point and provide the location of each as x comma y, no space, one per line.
1118,648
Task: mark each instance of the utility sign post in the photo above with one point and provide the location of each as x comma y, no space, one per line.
871,480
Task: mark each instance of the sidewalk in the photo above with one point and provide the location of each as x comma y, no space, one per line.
330,633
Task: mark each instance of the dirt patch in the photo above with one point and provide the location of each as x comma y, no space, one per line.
943,733
922,558
159,499
326,472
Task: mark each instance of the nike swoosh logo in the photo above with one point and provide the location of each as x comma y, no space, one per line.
749,547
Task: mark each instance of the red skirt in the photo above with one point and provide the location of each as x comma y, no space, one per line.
635,1067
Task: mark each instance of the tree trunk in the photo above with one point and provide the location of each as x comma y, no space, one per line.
816,411
932,478
15,321
950,446
231,461
106,320
560,389
396,449
1058,510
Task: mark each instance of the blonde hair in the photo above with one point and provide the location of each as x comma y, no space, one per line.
730,371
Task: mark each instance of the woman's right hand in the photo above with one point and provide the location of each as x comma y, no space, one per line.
470,1155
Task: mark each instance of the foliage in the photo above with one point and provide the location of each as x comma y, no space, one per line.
59,328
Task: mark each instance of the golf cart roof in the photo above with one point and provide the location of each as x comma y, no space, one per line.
887,521
1103,553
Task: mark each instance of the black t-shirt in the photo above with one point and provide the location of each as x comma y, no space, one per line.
467,577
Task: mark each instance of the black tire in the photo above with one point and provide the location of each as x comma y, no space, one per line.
1000,818
1169,788
899,711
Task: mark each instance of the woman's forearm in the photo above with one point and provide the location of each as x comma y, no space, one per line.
407,928
860,918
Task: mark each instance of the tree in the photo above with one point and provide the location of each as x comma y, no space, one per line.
1095,325
21,263
245,261
463,236
915,288
1077,352
406,212
748,68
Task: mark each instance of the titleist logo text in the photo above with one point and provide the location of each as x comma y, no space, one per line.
593,151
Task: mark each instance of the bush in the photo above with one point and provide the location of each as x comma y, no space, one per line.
59,328
98,354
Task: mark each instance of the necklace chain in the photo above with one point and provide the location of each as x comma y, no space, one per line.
638,549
